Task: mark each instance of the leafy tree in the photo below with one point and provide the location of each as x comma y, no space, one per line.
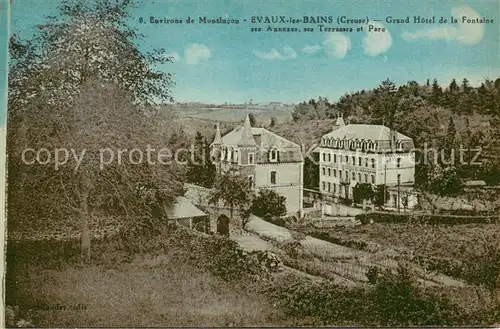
363,191
454,88
381,195
268,203
437,92
451,133
465,85
273,122
201,170
233,190
445,180
311,171
81,83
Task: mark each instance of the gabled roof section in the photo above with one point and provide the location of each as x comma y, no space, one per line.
263,140
183,208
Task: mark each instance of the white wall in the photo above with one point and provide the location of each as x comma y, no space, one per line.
384,171
289,182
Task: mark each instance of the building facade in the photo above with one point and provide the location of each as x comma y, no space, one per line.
361,153
267,159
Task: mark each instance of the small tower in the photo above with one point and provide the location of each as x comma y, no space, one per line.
218,138
246,135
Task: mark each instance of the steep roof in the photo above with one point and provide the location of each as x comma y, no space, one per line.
183,208
217,139
246,136
264,140
364,132
260,136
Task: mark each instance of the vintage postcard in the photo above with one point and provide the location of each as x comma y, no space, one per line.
250,163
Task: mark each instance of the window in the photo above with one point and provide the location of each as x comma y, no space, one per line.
334,188
324,171
323,183
366,162
334,172
250,182
366,178
346,159
250,158
359,177
324,157
340,173
346,174
329,172
398,163
373,179
273,155
353,175
273,177
235,156
335,158
359,162
329,186
353,160
399,179
373,162
329,157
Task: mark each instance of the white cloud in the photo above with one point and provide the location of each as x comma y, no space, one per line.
175,56
311,49
196,53
462,32
337,45
376,43
288,53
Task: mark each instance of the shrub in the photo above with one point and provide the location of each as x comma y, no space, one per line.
325,235
268,203
387,217
275,220
392,300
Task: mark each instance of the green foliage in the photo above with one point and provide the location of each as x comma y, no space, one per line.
312,110
381,195
200,169
232,189
394,300
422,112
279,221
444,180
268,202
363,191
311,171
273,122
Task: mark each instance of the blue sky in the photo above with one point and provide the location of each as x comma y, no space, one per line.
4,32
219,62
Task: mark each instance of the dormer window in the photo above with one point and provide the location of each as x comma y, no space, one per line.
273,155
235,156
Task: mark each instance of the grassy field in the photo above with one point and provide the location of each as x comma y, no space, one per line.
149,291
429,240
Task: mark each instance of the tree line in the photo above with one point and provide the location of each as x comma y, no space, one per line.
443,118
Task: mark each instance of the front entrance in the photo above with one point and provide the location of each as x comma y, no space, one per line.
223,225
